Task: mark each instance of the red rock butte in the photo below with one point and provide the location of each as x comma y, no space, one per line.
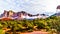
6,19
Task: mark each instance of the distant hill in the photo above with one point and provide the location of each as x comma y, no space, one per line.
20,15
57,14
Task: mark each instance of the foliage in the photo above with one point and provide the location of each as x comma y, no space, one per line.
49,23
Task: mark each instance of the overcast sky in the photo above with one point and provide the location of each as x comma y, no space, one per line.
30,6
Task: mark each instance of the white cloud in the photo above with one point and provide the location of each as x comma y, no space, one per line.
31,6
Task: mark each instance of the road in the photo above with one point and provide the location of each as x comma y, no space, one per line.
36,32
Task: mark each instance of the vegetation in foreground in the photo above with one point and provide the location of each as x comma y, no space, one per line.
51,24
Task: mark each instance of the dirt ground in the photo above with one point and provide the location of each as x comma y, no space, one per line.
36,32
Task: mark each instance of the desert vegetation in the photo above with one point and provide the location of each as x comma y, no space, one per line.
50,24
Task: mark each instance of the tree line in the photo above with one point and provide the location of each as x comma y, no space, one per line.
48,24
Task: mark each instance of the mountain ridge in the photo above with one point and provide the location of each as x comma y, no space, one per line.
19,15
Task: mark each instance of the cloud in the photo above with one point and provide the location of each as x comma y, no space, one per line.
30,6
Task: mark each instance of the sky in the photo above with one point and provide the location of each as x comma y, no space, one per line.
30,6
